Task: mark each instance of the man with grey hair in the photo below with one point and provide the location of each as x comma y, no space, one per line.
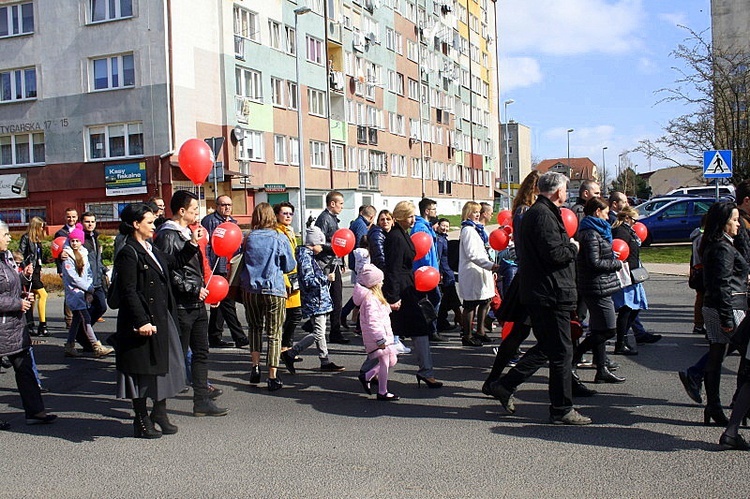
548,290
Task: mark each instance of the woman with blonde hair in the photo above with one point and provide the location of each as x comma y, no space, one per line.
400,292
30,246
476,284
268,256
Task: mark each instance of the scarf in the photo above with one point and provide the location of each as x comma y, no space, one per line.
479,228
600,225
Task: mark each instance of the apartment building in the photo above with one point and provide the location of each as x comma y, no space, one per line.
516,160
397,100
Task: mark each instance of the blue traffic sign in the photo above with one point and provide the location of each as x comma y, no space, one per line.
717,164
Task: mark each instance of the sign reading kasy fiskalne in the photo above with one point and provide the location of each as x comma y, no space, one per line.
125,179
13,185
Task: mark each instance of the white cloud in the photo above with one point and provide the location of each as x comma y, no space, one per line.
570,27
674,18
518,72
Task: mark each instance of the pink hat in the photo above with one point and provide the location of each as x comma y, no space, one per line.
370,276
77,233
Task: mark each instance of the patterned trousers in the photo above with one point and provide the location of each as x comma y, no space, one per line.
265,311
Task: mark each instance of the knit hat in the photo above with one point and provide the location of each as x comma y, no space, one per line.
77,233
314,236
370,275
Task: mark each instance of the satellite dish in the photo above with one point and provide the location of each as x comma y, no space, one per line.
238,134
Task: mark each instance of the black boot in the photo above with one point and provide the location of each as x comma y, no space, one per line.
42,330
32,328
713,413
604,375
159,416
142,425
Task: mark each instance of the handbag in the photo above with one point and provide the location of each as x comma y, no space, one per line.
427,310
293,281
236,264
639,275
113,293
695,280
623,275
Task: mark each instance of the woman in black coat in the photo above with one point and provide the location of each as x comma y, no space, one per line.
149,362
597,282
399,290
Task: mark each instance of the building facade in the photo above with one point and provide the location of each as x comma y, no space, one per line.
516,153
397,100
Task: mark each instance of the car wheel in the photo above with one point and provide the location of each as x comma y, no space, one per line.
648,241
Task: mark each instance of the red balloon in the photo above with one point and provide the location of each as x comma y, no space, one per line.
570,220
508,229
422,243
342,242
499,239
641,230
57,246
507,328
218,287
226,239
505,217
196,160
426,278
621,247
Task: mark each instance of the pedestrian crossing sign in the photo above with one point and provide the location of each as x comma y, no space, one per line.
717,164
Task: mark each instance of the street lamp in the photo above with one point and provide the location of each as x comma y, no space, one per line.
619,171
569,171
507,148
300,146
604,170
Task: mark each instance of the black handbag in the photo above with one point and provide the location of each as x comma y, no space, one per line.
639,275
428,310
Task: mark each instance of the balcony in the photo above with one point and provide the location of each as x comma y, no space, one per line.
337,81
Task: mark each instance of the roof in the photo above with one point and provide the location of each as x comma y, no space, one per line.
581,168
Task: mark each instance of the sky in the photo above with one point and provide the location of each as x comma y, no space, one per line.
593,66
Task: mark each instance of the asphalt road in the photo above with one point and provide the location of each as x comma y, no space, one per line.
321,436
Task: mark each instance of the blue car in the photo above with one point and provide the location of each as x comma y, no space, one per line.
675,220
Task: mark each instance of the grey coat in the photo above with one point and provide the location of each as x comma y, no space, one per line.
14,337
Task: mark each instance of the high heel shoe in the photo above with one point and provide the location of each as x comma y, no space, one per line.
388,397
733,443
255,375
274,384
430,382
715,414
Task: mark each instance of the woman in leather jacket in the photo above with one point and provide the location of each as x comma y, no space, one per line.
30,246
725,298
597,282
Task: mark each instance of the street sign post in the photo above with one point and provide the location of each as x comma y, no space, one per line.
717,164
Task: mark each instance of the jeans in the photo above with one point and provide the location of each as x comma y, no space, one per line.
98,306
318,336
80,319
434,296
193,325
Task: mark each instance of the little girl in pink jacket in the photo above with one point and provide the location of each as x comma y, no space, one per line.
377,335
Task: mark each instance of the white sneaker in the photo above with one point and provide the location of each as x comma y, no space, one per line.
400,347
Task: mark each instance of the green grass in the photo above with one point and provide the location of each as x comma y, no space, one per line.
666,254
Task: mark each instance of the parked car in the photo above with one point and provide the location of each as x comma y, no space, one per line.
653,204
675,219
704,190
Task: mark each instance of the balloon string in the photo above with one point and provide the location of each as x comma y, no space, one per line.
212,272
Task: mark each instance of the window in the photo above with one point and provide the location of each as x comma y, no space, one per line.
413,89
108,212
314,50
251,148
274,29
337,151
395,82
396,124
316,102
112,72
291,40
277,92
318,154
121,140
291,88
416,168
293,151
378,162
279,149
398,165
22,149
17,19
248,84
107,10
412,51
246,24
18,84
22,216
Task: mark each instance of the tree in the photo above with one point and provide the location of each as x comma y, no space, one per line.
631,184
713,84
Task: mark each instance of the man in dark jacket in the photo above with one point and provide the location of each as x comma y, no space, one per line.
359,226
548,290
450,300
190,293
589,189
328,222
226,311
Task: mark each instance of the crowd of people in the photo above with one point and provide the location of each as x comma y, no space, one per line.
548,282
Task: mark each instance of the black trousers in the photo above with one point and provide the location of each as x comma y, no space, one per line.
225,312
193,326
31,395
293,318
552,330
337,291
508,349
449,302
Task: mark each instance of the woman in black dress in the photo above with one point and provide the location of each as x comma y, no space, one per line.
149,355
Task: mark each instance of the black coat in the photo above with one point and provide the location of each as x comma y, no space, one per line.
547,265
187,281
725,278
145,297
627,234
328,224
399,284
597,265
